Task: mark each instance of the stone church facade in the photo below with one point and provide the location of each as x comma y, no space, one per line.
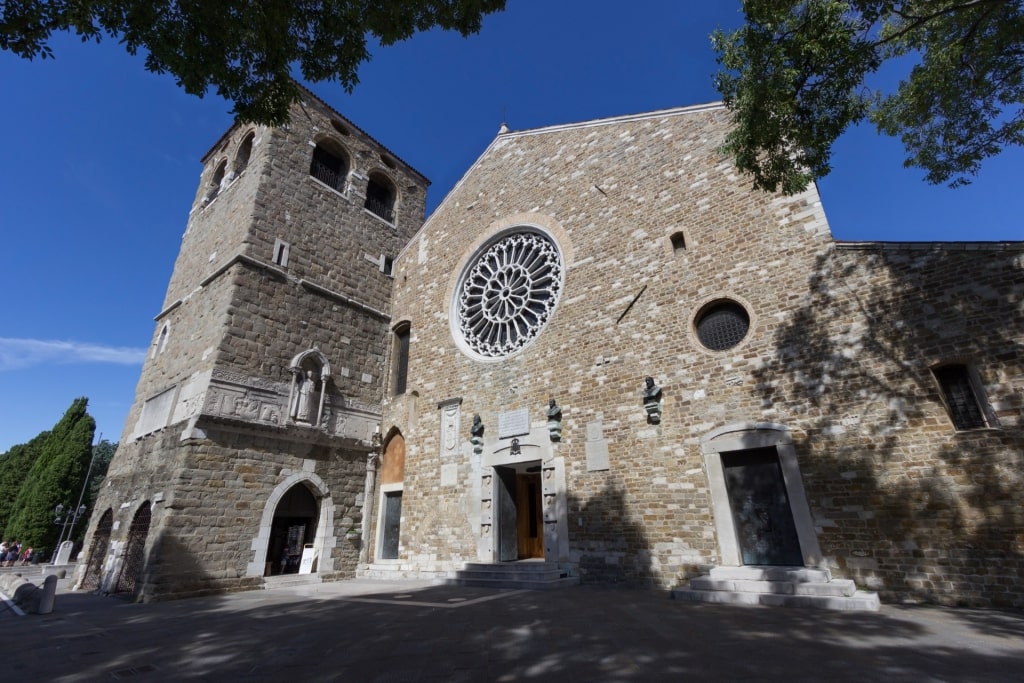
603,352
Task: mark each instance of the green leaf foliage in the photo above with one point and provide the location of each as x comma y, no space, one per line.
102,454
243,49
795,77
15,465
56,478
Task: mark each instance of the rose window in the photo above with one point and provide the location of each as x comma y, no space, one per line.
508,294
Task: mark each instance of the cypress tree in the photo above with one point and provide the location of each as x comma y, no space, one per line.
56,478
15,465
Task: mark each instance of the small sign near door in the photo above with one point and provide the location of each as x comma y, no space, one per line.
306,563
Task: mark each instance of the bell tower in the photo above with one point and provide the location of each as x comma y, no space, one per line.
257,404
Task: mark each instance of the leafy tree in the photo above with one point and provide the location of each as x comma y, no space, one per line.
15,465
102,454
244,49
795,75
56,478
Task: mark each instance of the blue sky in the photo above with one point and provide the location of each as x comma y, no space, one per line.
101,162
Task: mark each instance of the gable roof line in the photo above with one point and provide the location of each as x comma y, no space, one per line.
508,135
625,118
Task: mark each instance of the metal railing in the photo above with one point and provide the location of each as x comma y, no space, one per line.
381,208
327,176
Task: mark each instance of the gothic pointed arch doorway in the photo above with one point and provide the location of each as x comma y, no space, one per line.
98,552
292,528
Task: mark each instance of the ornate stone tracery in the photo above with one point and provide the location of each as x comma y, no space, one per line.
508,294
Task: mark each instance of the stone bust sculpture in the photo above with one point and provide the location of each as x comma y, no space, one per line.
652,392
554,412
477,430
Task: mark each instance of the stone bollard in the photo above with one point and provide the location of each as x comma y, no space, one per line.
49,595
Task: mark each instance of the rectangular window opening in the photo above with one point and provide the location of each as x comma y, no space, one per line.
963,396
281,253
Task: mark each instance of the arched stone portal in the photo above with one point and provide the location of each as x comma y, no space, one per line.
301,501
293,526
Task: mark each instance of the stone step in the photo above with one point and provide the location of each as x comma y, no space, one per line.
512,582
529,575
772,573
836,587
548,575
859,601
290,580
512,567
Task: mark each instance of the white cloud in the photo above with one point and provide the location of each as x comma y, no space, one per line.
25,353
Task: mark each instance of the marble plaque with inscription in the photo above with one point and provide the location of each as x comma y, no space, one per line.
513,423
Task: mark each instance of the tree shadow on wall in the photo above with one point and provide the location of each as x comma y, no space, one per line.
904,503
612,547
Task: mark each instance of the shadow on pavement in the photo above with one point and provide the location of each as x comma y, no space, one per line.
452,634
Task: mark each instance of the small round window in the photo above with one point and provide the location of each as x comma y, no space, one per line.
722,325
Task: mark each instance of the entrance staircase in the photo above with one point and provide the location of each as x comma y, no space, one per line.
530,575
777,586
290,581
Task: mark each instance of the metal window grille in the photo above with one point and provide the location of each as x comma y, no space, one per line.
328,169
380,201
723,326
98,552
961,399
135,553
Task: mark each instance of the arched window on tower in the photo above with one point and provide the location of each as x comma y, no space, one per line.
380,197
329,165
243,154
216,181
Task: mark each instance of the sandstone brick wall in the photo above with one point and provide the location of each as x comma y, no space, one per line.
906,503
830,354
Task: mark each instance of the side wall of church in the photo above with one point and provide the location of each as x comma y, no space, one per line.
903,502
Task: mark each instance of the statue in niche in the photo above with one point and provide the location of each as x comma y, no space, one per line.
302,408
554,420
652,401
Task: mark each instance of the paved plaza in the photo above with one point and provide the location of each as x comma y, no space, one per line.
377,631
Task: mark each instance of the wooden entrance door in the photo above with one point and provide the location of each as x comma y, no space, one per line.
760,508
529,523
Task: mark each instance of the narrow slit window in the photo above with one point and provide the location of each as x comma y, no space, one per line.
281,249
401,362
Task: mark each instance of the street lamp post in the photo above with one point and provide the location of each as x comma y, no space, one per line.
65,518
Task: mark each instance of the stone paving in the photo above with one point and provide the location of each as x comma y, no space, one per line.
377,631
